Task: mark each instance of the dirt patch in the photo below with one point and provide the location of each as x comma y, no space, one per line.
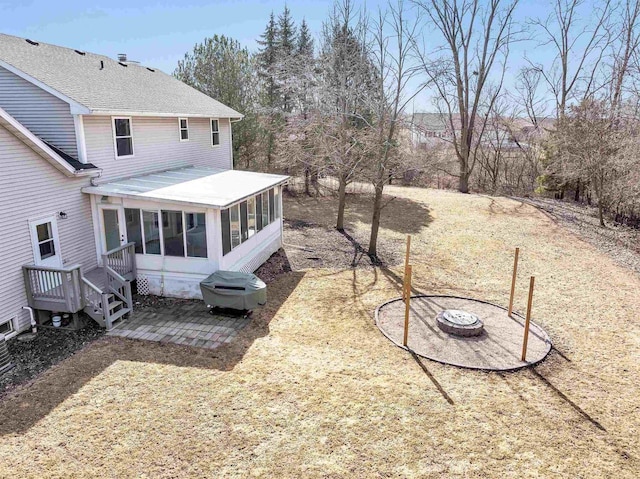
49,347
309,246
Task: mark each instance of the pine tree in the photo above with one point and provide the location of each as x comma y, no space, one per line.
286,50
267,59
305,42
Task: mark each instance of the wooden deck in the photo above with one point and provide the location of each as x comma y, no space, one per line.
96,276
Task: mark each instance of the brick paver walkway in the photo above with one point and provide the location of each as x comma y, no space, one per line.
188,324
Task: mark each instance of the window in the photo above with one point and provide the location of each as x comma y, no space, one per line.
184,129
6,327
46,243
123,137
244,231
215,133
172,233
265,209
259,224
234,219
272,205
151,232
226,231
251,216
134,228
277,201
196,235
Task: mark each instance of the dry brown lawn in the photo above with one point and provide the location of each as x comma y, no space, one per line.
312,388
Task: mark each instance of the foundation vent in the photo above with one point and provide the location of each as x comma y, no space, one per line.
143,285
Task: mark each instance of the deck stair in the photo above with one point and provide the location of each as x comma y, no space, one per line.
103,293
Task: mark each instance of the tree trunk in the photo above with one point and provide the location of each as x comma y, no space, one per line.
601,213
576,198
342,199
463,182
307,185
375,221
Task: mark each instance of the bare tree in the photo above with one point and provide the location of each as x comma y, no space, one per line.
579,49
468,71
394,38
346,82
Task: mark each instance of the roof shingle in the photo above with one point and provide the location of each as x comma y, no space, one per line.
102,84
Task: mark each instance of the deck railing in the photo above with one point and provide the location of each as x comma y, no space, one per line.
54,289
122,260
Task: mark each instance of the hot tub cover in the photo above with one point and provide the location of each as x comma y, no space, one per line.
234,290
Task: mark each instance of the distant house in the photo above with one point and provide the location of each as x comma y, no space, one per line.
113,172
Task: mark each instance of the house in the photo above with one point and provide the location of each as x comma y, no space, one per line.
111,172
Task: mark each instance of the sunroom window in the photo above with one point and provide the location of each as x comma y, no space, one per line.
123,137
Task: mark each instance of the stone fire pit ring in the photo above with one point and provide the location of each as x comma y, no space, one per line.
463,332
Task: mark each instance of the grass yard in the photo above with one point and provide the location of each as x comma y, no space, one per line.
312,389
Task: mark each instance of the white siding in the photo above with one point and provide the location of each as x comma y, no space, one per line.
45,115
31,188
157,146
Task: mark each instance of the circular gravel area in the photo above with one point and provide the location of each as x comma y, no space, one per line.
498,348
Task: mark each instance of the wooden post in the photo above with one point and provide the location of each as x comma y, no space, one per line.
528,319
407,305
513,281
406,264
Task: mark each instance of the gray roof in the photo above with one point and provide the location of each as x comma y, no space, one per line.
103,85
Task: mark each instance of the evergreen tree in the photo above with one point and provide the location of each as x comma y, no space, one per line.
286,51
267,59
305,42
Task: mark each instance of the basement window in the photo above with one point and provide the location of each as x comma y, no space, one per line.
123,137
6,327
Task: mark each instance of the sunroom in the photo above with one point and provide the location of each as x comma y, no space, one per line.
188,223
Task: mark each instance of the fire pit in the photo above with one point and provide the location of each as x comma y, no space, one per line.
459,323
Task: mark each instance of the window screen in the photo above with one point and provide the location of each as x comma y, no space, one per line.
196,235
151,232
226,231
172,233
134,228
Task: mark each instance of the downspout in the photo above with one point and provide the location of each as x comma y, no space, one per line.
34,325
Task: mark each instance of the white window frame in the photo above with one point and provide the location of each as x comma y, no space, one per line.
115,143
12,327
186,129
211,120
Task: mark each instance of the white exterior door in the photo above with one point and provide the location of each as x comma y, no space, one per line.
112,225
46,243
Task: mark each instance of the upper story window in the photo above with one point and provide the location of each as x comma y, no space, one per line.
184,129
123,137
215,133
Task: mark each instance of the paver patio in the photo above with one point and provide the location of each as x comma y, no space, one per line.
187,324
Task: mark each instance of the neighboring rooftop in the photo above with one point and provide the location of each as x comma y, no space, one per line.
205,187
102,85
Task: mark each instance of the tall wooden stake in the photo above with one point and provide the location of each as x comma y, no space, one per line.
528,319
513,281
407,305
406,264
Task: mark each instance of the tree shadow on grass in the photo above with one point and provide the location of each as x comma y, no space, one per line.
32,402
400,215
